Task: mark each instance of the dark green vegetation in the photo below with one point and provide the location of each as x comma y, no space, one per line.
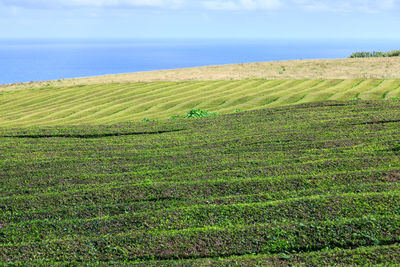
394,53
200,113
308,184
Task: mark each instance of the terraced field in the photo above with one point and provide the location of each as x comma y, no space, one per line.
307,184
123,102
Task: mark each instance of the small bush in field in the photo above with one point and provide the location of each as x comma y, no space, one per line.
198,113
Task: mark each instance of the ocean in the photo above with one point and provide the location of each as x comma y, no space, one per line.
38,60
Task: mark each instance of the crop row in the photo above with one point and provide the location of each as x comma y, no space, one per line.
201,189
196,216
370,255
214,241
362,256
87,209
296,180
113,103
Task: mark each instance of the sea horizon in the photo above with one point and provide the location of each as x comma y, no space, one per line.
26,60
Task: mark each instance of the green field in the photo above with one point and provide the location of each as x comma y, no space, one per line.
123,102
312,184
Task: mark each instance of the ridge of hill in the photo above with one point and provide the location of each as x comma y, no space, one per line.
349,68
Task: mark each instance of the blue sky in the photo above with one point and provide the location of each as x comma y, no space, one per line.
200,19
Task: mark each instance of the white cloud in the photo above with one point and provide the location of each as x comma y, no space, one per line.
360,6
387,4
242,4
93,3
363,6
220,5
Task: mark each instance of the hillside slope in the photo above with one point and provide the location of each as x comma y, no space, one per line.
122,102
308,184
354,68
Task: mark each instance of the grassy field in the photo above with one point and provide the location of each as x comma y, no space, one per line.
349,68
301,167
310,184
122,102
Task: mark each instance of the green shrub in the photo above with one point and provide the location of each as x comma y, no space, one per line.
394,53
198,113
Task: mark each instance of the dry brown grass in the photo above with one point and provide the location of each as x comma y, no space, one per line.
295,69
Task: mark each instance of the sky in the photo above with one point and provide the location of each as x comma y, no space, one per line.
243,19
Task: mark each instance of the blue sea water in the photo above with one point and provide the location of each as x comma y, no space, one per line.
36,60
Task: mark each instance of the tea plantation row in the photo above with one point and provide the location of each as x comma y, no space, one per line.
308,184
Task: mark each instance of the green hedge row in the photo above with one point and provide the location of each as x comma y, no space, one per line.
214,242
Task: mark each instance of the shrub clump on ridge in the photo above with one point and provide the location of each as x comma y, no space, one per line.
394,53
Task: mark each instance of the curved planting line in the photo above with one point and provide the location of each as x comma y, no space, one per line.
259,98
108,105
24,97
292,96
52,108
328,92
349,93
275,98
319,208
197,100
123,102
330,86
68,101
388,195
107,91
124,89
221,187
248,92
199,175
131,101
6,98
358,83
377,91
185,191
273,237
389,92
218,100
144,104
191,101
59,95
140,109
385,255
170,202
72,107
195,173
